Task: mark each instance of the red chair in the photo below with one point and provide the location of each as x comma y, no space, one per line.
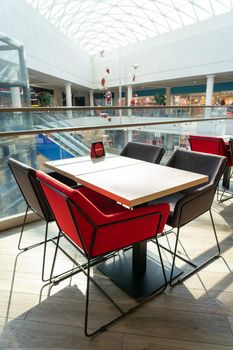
98,227
213,145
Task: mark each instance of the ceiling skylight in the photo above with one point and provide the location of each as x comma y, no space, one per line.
103,25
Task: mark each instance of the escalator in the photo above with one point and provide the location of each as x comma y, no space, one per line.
53,146
58,145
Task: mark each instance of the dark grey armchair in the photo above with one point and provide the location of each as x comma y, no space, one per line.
143,151
25,177
187,205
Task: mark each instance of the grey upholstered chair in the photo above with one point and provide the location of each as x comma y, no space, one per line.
187,205
143,151
30,188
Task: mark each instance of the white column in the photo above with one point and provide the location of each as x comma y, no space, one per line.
209,94
116,97
57,97
168,95
168,100
68,95
129,94
129,99
15,97
120,82
209,89
91,96
128,135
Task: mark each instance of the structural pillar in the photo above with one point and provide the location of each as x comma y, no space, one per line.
209,94
168,96
91,96
68,94
15,97
129,99
57,97
69,114
116,98
209,89
168,100
24,76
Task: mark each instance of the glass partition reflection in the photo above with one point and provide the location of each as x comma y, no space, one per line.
39,147
14,83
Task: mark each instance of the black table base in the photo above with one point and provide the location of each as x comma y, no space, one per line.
138,285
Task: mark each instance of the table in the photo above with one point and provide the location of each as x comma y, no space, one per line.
130,182
126,180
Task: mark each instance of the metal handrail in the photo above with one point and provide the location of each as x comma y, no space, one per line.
108,126
97,108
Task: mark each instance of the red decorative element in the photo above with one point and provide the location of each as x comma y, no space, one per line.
109,119
97,149
103,82
104,115
99,109
132,102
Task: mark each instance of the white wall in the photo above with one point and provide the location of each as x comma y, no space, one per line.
202,48
47,50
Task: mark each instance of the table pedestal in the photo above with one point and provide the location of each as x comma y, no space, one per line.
141,284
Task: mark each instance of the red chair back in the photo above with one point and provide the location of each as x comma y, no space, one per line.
211,145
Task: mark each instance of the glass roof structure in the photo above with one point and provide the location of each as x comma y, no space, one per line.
103,25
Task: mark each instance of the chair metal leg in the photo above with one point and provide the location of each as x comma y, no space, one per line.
122,313
162,264
196,267
174,257
44,255
22,231
221,199
54,257
86,268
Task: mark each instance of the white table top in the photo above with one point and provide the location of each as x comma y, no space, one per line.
74,167
126,180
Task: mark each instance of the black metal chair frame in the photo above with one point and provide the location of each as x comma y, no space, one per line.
226,179
29,207
86,267
196,268
46,216
200,199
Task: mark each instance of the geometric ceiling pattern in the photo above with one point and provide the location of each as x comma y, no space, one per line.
103,25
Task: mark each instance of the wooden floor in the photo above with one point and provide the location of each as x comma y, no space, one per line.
197,314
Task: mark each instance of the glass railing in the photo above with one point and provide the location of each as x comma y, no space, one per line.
35,136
